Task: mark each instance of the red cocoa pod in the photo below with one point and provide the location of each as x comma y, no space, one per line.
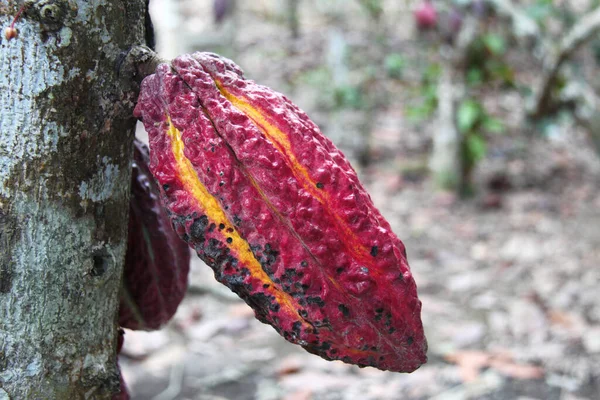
426,15
157,260
279,214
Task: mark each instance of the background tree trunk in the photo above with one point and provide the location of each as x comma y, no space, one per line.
445,159
66,133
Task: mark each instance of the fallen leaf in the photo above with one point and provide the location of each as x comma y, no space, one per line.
517,371
241,310
471,362
299,395
560,318
187,317
290,365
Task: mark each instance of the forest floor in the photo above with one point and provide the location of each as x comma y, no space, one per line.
510,299
509,279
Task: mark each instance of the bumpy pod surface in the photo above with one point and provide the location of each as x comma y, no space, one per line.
279,214
157,260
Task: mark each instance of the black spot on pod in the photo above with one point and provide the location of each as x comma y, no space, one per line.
374,251
237,220
315,300
296,328
320,185
344,310
235,283
271,255
261,303
198,227
213,250
325,346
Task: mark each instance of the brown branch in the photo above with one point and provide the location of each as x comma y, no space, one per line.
583,31
137,63
524,25
552,58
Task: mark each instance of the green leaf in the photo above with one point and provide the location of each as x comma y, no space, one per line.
394,65
431,73
347,96
419,113
474,76
495,44
493,125
476,147
373,7
502,71
429,92
469,112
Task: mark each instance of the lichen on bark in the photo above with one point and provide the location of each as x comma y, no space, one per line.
66,133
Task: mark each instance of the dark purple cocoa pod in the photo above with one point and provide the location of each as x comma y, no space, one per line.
157,260
480,8
220,10
123,393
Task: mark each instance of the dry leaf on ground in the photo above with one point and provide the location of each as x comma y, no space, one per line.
471,362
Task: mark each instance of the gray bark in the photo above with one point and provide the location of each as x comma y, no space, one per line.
445,161
293,19
65,145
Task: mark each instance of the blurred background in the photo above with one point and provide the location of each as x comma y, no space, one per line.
474,125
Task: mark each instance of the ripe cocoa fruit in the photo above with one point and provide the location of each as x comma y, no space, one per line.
426,15
276,210
157,260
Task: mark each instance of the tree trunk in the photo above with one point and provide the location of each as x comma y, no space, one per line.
66,133
445,160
